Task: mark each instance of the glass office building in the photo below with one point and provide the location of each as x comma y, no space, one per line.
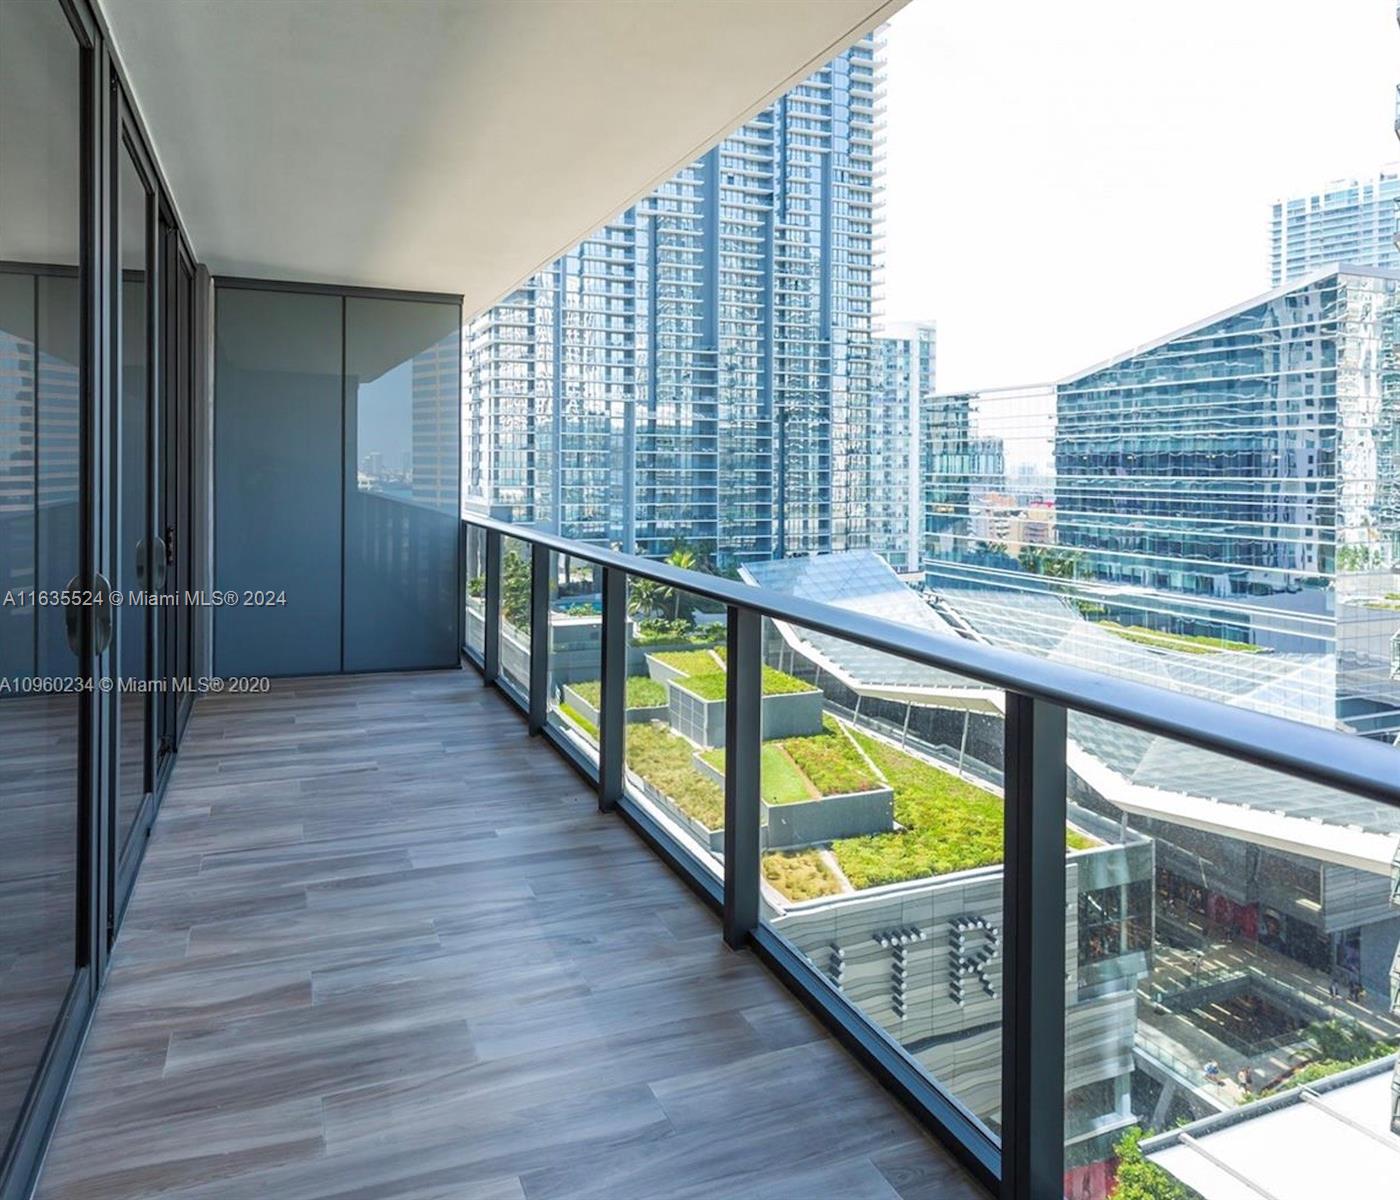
701,368
1348,221
1236,480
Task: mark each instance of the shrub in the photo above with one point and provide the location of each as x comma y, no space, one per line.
666,762
657,631
1138,1179
800,874
832,762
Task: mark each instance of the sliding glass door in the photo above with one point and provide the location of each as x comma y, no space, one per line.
45,521
137,557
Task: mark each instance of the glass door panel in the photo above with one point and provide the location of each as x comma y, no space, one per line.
133,558
41,529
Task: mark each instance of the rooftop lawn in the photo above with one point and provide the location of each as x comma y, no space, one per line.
949,824
666,761
800,874
779,780
714,684
1187,643
642,692
806,768
691,662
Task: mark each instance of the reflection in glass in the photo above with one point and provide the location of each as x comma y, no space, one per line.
576,649
134,559
474,574
40,481
515,616
402,437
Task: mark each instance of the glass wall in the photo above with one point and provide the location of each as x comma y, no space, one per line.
882,848
675,734
516,574
576,649
402,444
474,590
40,482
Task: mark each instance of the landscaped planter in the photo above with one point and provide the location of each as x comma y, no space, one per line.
821,819
713,838
782,715
810,822
639,715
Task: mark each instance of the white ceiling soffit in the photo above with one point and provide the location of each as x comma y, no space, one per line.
445,145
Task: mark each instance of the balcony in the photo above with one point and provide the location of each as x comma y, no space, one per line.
349,848
383,941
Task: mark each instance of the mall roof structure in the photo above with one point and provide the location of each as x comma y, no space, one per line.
1139,773
1331,1138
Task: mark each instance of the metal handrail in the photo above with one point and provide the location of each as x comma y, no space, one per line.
1323,756
1027,1161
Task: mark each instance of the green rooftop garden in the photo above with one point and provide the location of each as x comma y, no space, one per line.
713,685
949,824
691,662
806,768
1186,643
642,692
705,674
800,874
779,780
666,761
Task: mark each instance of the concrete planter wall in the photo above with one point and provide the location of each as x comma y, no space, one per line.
809,822
638,716
576,647
788,714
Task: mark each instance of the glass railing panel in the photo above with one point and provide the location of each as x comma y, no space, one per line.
1237,940
575,649
674,743
515,617
474,576
882,847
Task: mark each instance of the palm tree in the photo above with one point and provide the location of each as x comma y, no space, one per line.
681,556
646,597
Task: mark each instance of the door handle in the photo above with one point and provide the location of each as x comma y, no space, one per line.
73,620
101,617
160,566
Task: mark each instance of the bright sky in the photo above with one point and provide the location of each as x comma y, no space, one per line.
1070,178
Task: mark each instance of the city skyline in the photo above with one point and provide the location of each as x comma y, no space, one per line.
1119,121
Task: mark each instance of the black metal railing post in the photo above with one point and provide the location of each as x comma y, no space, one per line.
612,706
1033,912
539,637
491,615
743,740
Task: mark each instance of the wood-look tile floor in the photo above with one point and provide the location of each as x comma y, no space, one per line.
383,947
